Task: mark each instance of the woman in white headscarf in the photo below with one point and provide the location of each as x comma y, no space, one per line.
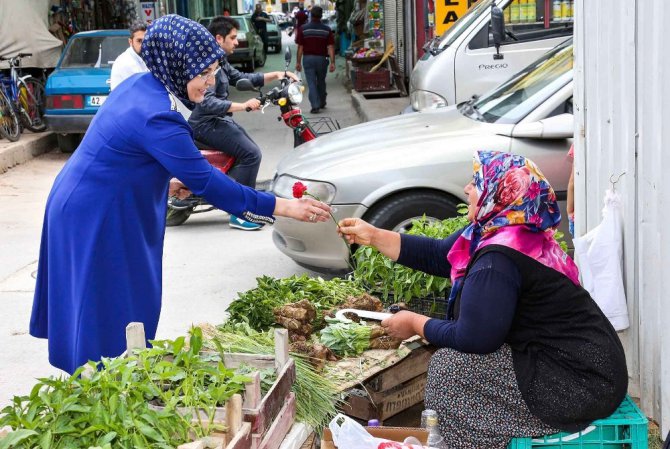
101,253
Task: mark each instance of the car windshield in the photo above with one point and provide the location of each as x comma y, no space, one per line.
94,51
516,98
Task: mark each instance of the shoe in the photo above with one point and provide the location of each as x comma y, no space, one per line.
315,110
323,106
177,204
244,225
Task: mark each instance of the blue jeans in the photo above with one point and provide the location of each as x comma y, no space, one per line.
316,68
225,135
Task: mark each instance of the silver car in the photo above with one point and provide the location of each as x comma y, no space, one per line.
392,171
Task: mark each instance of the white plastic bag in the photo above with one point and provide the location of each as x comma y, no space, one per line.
599,255
348,434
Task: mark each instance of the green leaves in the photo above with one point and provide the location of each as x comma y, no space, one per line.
388,279
112,407
346,339
255,306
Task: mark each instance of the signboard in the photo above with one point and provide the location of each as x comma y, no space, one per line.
148,11
447,12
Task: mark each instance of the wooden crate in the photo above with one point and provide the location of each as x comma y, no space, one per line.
391,391
270,416
238,435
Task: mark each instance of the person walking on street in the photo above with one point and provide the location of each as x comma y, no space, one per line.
260,19
316,47
130,62
299,19
212,120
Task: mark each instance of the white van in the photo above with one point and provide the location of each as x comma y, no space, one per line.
464,61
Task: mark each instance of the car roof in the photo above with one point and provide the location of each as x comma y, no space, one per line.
96,33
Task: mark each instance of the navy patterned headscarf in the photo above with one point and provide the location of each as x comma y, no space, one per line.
176,49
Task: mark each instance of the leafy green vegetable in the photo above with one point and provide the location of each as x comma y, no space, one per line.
346,339
255,306
112,408
385,277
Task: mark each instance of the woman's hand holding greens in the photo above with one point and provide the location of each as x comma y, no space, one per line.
357,231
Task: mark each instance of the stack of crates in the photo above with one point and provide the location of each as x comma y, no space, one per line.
625,429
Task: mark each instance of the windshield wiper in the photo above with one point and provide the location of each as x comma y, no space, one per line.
469,109
432,46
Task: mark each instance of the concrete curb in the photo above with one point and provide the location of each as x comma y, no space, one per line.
358,100
27,147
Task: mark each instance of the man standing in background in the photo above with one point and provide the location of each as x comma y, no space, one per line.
129,62
316,43
260,19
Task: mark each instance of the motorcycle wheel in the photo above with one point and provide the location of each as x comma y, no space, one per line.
177,217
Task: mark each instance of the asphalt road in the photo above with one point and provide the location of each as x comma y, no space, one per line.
205,262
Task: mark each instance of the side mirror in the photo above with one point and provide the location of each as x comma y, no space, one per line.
557,127
287,55
244,85
498,29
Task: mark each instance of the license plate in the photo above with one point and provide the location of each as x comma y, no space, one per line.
96,100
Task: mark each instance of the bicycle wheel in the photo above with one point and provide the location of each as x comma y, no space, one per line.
9,122
32,100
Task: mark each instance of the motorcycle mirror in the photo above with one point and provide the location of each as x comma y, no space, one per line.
287,54
244,85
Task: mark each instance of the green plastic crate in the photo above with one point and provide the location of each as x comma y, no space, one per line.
626,428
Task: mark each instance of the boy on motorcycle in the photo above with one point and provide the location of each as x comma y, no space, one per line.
212,120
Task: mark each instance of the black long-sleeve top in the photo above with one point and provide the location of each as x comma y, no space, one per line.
488,299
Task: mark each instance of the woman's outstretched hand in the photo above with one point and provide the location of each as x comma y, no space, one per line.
357,231
303,209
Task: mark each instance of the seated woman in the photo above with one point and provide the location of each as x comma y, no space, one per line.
525,350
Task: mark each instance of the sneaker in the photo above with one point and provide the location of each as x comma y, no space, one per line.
323,106
177,204
315,110
244,225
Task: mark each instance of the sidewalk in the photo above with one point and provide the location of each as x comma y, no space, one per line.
27,147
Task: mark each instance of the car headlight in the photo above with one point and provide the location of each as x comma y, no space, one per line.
294,93
422,99
283,187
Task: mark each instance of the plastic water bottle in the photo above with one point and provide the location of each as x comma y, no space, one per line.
435,438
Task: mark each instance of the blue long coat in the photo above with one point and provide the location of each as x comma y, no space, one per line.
100,264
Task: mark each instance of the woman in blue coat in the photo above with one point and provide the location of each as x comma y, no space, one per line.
101,252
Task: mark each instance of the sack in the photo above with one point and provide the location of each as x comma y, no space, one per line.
348,434
599,255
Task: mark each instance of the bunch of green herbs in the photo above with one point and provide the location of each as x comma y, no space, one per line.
346,339
395,282
255,306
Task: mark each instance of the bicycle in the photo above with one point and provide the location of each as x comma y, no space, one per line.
26,96
9,121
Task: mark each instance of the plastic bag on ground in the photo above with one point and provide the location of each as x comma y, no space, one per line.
599,256
348,434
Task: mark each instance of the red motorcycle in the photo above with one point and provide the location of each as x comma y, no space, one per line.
287,96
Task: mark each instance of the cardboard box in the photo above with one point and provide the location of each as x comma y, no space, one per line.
388,433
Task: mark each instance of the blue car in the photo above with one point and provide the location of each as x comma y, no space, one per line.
80,83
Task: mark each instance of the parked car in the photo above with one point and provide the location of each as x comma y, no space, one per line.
392,171
274,35
250,51
79,85
283,21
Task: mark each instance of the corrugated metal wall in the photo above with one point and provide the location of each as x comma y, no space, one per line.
621,101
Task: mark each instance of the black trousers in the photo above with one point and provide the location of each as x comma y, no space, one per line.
225,135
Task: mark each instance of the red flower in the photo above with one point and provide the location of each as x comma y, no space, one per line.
299,189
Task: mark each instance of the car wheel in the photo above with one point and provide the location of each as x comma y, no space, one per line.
68,142
261,61
176,217
396,213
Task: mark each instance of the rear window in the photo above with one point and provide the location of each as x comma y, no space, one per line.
98,51
243,23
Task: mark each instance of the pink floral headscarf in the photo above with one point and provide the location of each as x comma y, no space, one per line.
517,208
